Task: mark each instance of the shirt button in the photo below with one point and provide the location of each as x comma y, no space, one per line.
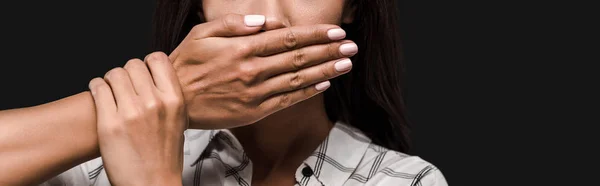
306,171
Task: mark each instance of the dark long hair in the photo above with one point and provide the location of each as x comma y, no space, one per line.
368,98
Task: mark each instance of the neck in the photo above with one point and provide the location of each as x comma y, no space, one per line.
278,144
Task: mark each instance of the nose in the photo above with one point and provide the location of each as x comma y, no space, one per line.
274,12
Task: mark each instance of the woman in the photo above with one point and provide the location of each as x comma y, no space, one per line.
352,134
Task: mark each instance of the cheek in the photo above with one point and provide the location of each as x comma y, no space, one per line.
213,9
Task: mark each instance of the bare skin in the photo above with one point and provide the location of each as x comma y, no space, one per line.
222,85
37,143
70,124
288,137
141,119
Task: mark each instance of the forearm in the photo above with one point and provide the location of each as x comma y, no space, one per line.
37,143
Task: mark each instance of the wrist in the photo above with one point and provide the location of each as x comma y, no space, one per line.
173,182
163,180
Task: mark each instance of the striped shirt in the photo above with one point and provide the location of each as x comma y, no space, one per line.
345,158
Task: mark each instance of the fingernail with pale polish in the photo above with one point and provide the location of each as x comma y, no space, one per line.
92,86
336,34
254,20
343,65
323,85
349,49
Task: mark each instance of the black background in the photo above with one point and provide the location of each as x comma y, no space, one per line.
472,110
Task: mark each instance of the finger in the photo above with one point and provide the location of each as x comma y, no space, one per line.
297,80
140,77
286,39
284,100
228,25
121,86
103,98
305,57
163,73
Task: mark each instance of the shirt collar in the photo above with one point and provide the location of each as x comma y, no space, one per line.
203,141
338,156
333,162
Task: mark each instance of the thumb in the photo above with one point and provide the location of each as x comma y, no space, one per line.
104,99
228,26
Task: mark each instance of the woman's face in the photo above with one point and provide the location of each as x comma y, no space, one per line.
282,13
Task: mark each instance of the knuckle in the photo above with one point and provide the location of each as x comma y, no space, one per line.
247,97
96,82
228,22
248,72
134,63
320,31
242,49
131,116
258,48
115,73
153,105
156,56
332,50
298,60
174,102
103,88
326,72
285,100
307,92
196,30
290,40
296,81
